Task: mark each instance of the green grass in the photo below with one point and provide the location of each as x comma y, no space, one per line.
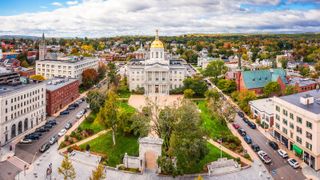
114,154
95,125
213,155
124,94
212,125
126,106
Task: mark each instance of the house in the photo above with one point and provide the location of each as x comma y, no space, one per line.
263,110
258,79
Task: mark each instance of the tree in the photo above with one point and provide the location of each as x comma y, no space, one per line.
215,69
102,70
37,77
112,73
190,56
226,86
95,100
272,88
290,89
108,115
98,173
197,84
188,93
243,99
140,124
66,169
89,77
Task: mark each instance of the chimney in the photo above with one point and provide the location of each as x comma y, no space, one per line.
306,99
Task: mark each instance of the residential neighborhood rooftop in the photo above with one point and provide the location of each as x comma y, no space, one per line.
265,105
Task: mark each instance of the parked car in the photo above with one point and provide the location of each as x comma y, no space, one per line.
32,137
282,153
255,147
245,120
248,139
25,141
274,145
252,125
62,132
242,132
79,114
293,163
48,126
53,139
42,129
235,125
44,147
68,125
52,122
241,114
70,108
65,112
264,157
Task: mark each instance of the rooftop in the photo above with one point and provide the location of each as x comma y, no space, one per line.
265,105
301,81
295,100
69,60
56,83
8,89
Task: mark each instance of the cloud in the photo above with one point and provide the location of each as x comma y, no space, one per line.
56,4
97,18
72,2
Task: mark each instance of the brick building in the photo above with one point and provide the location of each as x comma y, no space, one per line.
61,92
303,85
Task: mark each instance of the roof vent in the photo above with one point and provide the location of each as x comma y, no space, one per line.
306,99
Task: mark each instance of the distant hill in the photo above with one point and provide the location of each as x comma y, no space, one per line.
18,37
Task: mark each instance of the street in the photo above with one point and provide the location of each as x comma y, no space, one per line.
279,168
26,152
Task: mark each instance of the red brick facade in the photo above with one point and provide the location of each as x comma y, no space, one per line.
59,98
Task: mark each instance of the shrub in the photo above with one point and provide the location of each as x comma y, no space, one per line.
90,119
66,138
62,145
73,134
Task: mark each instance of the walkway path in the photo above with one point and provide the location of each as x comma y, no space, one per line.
86,140
228,151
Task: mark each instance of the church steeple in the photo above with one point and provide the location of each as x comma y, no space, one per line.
42,48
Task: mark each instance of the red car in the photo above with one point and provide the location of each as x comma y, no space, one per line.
235,125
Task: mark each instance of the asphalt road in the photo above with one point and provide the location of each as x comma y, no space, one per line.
28,152
279,168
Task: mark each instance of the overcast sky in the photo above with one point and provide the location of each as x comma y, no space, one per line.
99,18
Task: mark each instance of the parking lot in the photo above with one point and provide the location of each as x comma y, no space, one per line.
29,152
278,168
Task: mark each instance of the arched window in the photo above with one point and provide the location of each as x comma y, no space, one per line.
26,124
13,131
20,127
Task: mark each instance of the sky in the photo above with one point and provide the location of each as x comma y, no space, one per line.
105,18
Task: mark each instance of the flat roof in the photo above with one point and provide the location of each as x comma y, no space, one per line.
264,105
7,89
301,81
56,83
69,60
295,100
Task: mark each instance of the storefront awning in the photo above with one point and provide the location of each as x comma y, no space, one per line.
298,150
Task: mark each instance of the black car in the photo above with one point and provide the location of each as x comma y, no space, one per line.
52,122
42,129
252,125
245,120
32,137
274,145
70,108
241,114
242,132
65,112
48,126
255,147
44,147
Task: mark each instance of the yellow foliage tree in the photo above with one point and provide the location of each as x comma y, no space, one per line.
37,77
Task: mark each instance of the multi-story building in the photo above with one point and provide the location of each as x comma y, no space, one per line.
297,125
8,77
60,92
302,84
67,67
158,74
263,109
22,107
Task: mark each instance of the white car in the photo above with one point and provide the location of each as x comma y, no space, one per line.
264,157
80,114
282,153
62,132
25,141
293,163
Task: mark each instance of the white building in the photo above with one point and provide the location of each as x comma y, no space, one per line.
297,125
68,67
263,109
158,74
203,59
22,107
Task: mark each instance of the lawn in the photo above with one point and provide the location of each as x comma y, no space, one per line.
213,126
213,155
95,125
124,94
114,154
126,106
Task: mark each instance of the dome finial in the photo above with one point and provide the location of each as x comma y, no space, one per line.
157,34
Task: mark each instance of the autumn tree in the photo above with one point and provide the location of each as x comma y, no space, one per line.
37,77
272,88
66,169
188,93
243,99
112,73
290,89
98,173
102,70
89,78
95,100
109,114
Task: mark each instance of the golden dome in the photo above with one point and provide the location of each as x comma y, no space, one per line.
157,43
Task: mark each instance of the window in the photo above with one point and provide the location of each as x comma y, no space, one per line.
291,125
277,117
309,124
284,130
309,146
309,135
299,140
277,126
285,121
285,112
299,120
291,116
299,130
278,108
